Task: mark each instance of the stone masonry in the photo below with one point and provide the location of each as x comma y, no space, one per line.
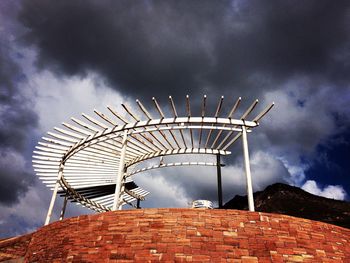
181,235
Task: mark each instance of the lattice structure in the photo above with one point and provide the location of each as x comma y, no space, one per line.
88,161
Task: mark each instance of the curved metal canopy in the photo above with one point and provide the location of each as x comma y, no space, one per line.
90,160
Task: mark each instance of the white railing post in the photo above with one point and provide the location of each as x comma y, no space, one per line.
247,169
122,190
54,194
120,172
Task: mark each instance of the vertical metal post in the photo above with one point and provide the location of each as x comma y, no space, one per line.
122,189
247,169
54,194
138,204
64,207
120,172
218,171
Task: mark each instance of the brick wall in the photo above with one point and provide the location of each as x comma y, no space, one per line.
14,248
177,235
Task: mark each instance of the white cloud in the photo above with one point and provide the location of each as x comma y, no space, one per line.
25,216
267,169
176,187
299,121
163,193
275,148
330,191
30,212
296,172
58,99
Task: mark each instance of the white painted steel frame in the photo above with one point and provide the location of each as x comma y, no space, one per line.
97,152
121,171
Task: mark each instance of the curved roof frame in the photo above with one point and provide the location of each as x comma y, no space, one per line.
100,152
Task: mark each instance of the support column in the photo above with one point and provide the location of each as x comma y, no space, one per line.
64,207
218,170
54,194
138,204
247,169
120,172
122,189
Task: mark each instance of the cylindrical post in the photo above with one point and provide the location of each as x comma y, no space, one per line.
54,194
138,204
120,172
122,189
247,169
218,170
64,207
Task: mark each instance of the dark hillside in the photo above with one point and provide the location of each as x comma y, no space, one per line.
290,200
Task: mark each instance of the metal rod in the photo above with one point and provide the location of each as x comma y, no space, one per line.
138,204
125,121
232,111
232,141
264,112
218,169
247,169
188,107
244,116
59,142
162,117
85,125
184,127
249,110
77,129
149,116
216,115
54,194
95,122
177,151
122,190
105,118
175,115
72,134
120,172
62,137
101,125
203,114
164,165
64,207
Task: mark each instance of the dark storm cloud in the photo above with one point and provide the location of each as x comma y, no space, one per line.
15,178
17,118
295,53
166,47
16,121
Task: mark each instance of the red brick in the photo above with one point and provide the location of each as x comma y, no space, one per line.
181,235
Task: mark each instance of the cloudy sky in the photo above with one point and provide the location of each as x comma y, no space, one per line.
61,58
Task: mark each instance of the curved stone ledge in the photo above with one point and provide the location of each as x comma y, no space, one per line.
152,235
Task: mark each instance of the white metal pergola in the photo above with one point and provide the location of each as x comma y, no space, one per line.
92,161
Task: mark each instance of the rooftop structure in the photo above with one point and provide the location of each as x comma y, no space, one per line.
92,161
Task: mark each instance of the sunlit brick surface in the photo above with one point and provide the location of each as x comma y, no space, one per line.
189,235
14,248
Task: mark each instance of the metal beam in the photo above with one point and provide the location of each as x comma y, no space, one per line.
218,169
54,194
120,171
93,150
247,169
138,204
64,207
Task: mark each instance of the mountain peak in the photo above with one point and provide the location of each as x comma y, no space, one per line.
290,200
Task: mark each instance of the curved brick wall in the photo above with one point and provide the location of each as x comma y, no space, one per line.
188,235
